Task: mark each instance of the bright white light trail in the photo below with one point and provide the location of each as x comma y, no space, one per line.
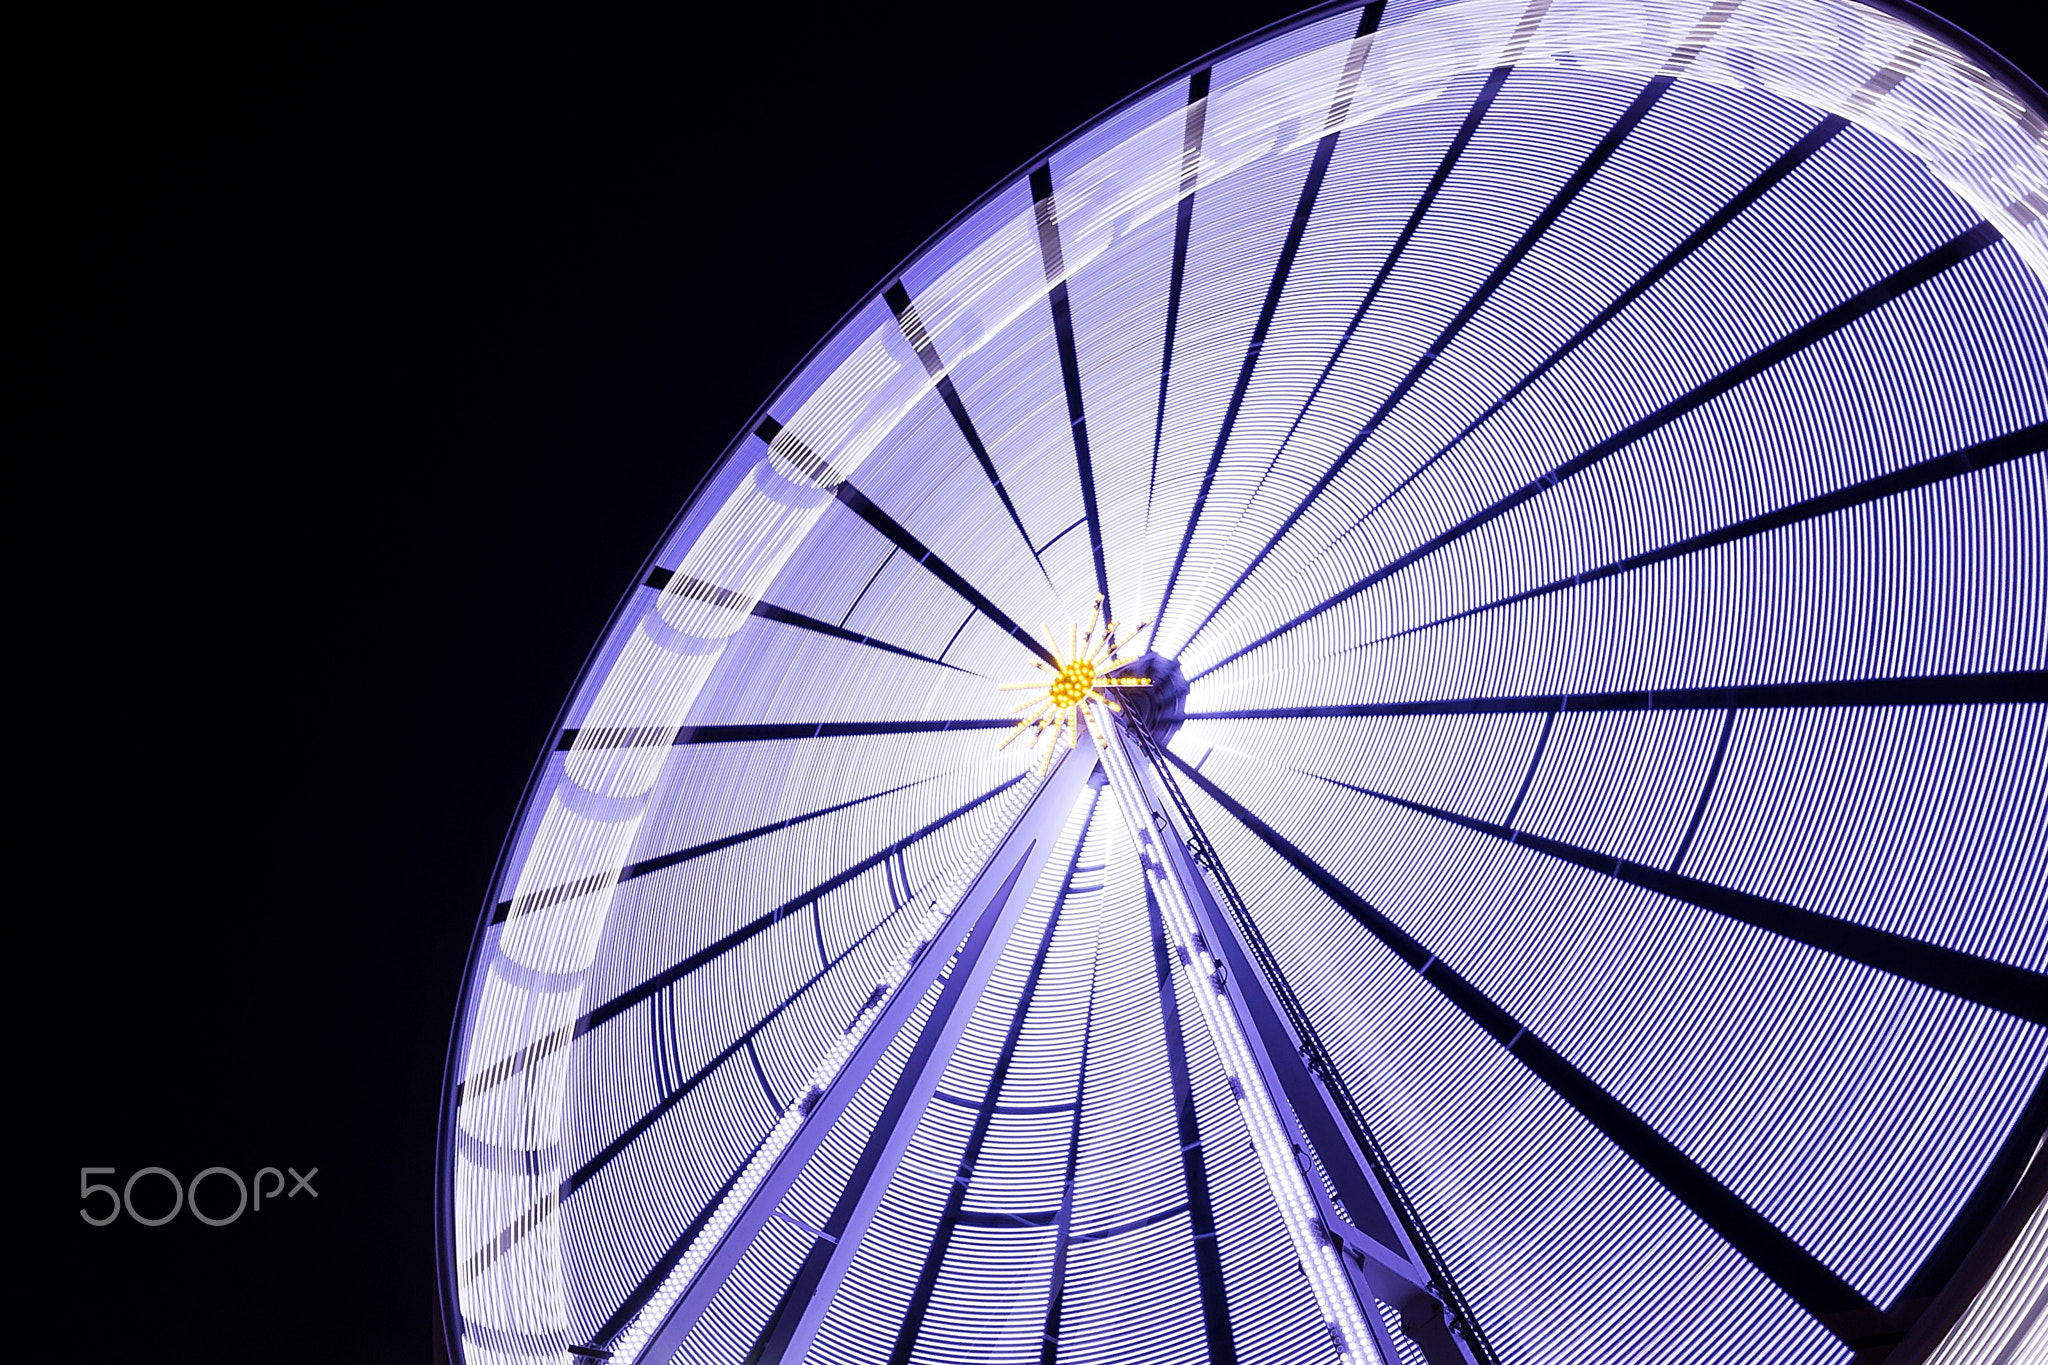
1341,1311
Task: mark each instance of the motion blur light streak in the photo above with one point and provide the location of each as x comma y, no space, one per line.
1591,458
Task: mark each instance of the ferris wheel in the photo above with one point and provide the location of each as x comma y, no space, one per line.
1519,529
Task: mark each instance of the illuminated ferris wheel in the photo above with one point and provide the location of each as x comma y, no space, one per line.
1520,530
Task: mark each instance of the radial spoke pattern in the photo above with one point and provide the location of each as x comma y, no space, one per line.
1592,463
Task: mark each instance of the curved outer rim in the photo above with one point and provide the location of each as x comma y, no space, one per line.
1971,46
447,1315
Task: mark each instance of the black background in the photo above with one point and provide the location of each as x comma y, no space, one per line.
368,355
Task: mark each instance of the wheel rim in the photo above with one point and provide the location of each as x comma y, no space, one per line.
1614,675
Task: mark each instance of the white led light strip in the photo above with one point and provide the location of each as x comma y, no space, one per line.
628,1345
1341,1312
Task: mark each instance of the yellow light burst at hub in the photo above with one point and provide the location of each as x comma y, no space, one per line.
1076,680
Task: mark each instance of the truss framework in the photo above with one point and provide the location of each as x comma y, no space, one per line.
1350,1234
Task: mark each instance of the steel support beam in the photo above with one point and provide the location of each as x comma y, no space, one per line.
1343,1295
1380,1259
981,919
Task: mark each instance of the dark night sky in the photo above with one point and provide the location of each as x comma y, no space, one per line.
370,355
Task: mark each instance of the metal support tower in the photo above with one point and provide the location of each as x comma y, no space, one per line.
1289,1105
1351,1235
